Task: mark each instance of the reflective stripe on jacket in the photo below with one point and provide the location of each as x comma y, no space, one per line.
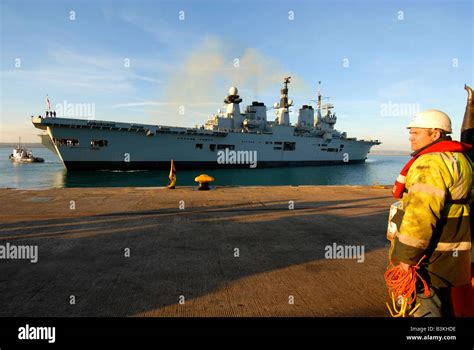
433,218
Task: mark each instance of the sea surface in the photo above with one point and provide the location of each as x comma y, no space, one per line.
378,169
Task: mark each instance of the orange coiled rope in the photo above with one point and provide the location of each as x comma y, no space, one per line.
402,288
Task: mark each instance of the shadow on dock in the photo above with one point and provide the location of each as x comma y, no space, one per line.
242,259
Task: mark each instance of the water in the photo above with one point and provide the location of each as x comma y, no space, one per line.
377,169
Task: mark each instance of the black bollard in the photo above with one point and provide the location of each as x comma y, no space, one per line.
204,181
203,186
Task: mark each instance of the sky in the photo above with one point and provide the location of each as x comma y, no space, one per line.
172,62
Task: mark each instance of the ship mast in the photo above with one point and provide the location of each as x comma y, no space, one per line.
319,103
284,93
319,95
283,116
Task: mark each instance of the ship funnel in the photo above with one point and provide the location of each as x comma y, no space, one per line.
467,128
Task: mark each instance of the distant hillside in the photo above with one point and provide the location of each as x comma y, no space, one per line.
390,152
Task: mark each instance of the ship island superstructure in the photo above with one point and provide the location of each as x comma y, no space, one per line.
83,144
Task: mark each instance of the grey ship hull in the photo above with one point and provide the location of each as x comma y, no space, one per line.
189,165
80,145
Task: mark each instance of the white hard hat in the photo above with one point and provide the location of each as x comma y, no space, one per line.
431,119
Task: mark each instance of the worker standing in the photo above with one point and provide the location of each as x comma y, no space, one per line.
432,218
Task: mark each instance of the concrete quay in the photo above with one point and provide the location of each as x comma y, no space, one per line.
231,251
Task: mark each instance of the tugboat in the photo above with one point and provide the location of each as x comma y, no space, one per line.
23,155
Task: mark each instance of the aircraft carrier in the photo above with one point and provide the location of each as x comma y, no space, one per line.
229,139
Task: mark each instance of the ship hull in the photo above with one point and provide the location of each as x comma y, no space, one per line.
97,145
126,166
